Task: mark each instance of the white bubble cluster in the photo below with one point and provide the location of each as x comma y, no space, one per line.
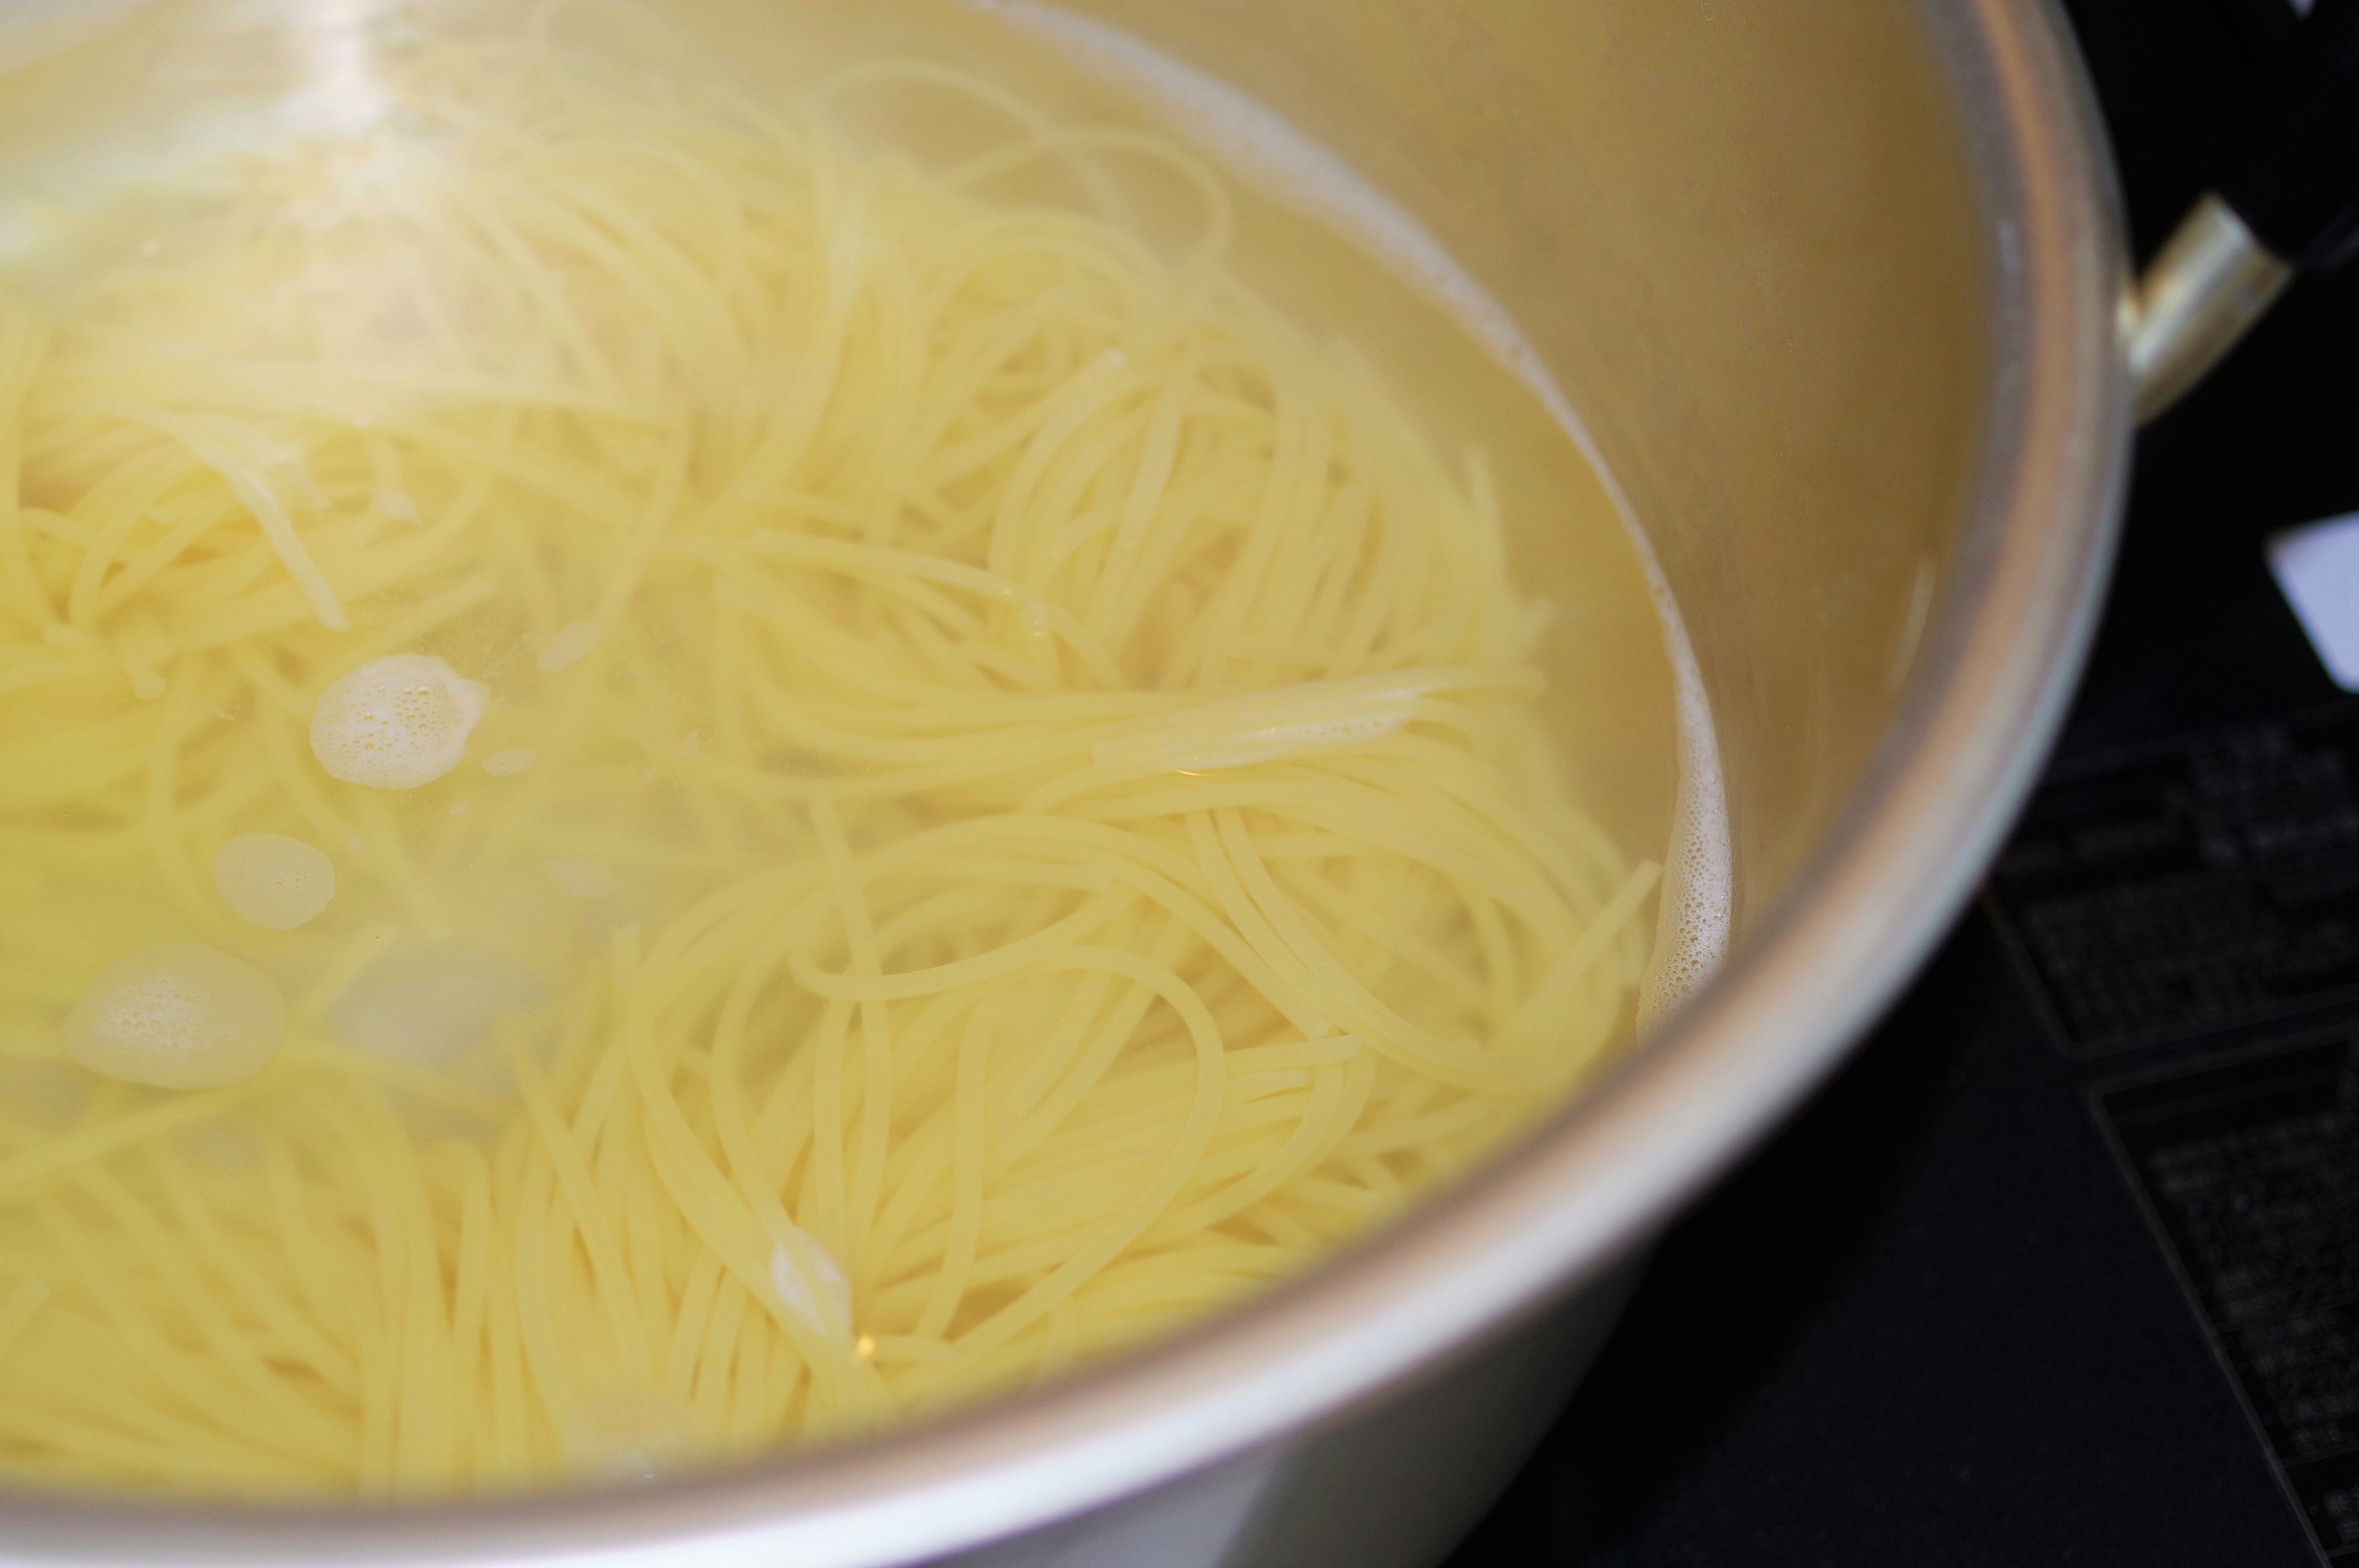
274,882
179,1016
397,722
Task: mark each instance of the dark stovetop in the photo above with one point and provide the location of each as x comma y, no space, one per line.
2064,1266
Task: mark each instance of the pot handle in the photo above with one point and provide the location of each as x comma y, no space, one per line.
2288,202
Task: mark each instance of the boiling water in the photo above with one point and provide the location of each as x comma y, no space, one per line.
717,732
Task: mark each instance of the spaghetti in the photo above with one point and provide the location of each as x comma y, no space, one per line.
1002,806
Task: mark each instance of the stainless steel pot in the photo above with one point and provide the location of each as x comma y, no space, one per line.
1840,288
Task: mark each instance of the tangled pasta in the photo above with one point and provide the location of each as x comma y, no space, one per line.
1004,809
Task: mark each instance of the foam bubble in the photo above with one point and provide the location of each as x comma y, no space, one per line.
274,882
1698,899
397,722
179,1016
1691,925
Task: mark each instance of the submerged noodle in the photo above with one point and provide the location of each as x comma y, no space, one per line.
1015,815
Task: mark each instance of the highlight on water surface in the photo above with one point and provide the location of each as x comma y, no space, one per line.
683,776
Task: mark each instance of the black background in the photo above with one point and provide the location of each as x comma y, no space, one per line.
1927,1324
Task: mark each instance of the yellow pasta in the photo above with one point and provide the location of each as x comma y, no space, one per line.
860,784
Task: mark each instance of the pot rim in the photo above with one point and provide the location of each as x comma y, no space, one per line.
1597,1181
